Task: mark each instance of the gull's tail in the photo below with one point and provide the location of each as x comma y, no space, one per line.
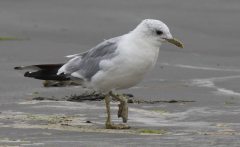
44,72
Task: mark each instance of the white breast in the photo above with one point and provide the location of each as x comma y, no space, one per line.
135,59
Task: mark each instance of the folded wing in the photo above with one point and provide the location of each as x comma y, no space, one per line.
81,66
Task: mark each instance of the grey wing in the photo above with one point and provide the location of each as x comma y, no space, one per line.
86,65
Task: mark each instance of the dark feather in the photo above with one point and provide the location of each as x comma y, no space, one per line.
40,66
50,66
47,74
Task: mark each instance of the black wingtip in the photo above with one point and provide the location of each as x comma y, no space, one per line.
18,68
26,74
47,75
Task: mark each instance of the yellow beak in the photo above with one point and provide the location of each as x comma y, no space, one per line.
176,42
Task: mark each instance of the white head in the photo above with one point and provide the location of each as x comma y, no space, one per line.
156,32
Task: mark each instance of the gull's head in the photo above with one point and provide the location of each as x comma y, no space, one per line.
156,31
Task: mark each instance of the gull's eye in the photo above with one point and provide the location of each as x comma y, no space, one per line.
159,32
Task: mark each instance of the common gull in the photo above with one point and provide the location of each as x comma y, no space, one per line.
116,63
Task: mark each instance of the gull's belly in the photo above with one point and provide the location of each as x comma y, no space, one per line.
125,71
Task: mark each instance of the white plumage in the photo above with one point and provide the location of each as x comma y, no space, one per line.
136,54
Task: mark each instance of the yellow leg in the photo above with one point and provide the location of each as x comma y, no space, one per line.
107,101
123,109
